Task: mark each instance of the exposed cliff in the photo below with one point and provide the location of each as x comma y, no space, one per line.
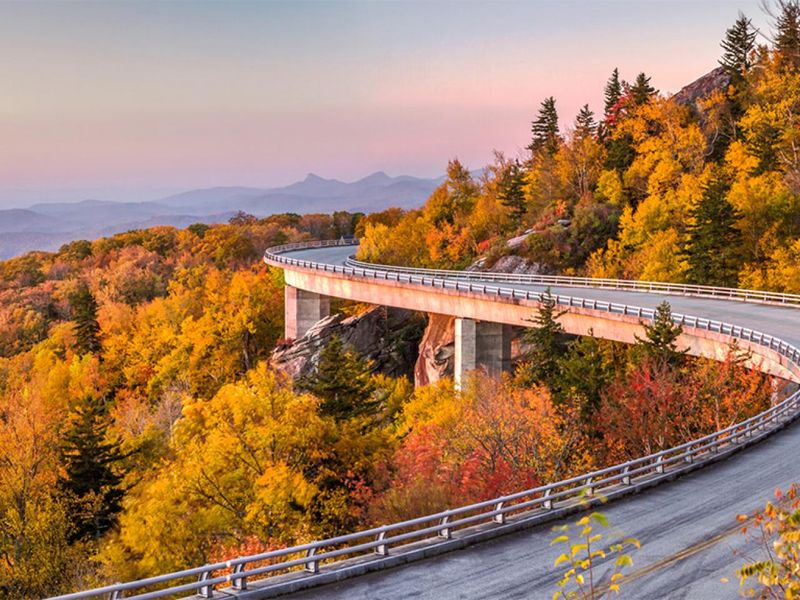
436,350
702,87
389,337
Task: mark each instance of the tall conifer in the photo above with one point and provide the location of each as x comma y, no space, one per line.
787,35
641,91
511,191
342,381
90,481
612,93
585,125
84,314
711,249
544,128
738,46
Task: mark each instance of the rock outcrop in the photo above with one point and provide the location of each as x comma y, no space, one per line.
436,351
389,337
701,88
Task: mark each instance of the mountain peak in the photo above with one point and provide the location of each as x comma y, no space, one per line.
376,177
313,178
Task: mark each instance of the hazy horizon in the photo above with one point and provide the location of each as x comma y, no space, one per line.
134,101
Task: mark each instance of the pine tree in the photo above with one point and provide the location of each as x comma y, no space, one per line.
738,47
787,37
84,313
511,192
545,129
612,93
90,482
661,337
546,342
641,91
713,238
342,380
585,125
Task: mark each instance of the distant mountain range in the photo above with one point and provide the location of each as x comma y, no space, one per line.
46,226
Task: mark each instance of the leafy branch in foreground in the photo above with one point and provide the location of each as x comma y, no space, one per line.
778,531
582,557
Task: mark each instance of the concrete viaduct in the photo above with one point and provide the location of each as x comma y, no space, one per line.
687,525
484,320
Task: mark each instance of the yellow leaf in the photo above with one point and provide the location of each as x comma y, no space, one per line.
624,561
561,559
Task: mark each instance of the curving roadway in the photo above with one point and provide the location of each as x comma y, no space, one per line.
687,527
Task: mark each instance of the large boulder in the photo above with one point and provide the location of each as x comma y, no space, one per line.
389,337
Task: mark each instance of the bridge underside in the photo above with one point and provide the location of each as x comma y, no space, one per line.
482,343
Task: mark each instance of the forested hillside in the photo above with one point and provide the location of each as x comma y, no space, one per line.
702,187
142,428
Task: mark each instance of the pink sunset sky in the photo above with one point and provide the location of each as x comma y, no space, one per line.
127,100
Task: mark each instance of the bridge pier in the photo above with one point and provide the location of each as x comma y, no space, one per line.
481,345
302,310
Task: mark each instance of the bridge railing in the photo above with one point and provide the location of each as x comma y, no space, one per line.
684,289
237,574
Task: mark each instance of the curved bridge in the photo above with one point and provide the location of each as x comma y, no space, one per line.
687,528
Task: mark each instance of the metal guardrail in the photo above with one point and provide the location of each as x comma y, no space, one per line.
379,540
683,289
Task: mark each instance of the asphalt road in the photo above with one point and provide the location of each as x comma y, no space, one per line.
688,529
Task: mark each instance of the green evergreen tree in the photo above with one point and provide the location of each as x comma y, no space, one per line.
90,482
738,46
711,249
619,153
547,344
787,35
585,372
511,192
343,381
545,129
661,337
585,125
641,91
84,314
612,93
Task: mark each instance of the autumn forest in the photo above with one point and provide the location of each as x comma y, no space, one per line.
144,426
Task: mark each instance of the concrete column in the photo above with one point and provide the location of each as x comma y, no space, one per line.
481,345
302,310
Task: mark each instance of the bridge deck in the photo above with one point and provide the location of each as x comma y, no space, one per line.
780,321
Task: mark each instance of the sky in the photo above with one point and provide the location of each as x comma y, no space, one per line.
131,100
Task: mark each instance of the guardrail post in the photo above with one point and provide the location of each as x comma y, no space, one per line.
626,478
499,518
548,503
311,566
444,533
589,488
381,549
240,582
207,591
660,464
115,595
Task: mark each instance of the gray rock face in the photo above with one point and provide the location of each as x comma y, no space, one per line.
388,336
510,263
703,87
